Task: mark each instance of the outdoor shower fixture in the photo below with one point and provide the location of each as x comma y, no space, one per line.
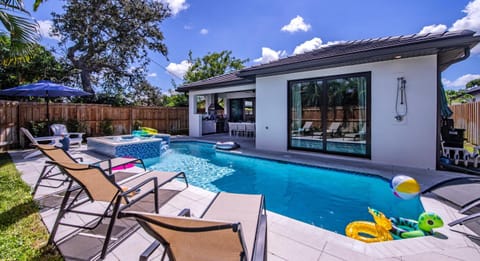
401,100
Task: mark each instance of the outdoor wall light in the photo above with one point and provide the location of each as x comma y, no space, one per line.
401,108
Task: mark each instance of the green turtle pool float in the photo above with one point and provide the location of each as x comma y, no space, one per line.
408,228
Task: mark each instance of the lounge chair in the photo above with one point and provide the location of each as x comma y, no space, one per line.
461,192
234,227
99,187
332,129
53,140
466,219
61,129
306,128
56,154
356,135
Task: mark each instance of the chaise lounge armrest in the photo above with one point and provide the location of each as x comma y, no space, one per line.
108,164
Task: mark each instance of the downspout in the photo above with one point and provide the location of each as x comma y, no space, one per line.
466,54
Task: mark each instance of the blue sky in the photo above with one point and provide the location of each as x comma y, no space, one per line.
265,30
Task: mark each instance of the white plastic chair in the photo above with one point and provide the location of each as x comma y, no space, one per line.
61,129
250,129
241,129
54,140
233,128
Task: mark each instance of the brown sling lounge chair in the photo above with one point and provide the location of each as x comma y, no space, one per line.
59,155
99,187
234,227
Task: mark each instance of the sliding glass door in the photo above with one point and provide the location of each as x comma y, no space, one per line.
330,114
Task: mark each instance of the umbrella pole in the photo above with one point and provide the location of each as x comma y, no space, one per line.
48,114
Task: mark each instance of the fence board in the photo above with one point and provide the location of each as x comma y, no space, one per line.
14,115
467,116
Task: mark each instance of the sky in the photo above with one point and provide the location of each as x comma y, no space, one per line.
266,30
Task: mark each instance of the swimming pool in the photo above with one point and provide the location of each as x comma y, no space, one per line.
326,198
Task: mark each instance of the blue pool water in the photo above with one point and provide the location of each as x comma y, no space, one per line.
326,198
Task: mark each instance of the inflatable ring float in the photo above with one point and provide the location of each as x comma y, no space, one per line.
149,130
370,232
408,228
227,145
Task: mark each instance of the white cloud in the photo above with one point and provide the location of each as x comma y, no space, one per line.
187,27
153,75
472,20
269,55
460,82
178,69
204,31
476,49
310,45
46,30
434,29
176,6
295,25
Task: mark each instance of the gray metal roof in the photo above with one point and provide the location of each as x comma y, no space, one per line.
450,46
228,79
473,90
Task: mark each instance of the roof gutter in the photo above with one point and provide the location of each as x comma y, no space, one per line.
466,54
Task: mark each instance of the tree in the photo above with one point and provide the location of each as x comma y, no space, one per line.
473,83
20,28
41,65
457,96
212,64
108,37
175,99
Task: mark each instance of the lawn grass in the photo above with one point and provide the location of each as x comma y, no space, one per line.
23,236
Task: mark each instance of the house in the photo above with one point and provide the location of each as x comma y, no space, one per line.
376,100
475,91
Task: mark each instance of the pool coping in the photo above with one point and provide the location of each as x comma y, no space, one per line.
447,242
289,239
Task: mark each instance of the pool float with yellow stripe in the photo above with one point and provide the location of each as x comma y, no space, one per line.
371,232
149,130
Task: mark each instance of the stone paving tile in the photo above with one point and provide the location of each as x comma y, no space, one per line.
340,251
293,240
290,249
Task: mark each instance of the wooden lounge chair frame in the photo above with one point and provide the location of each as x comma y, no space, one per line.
56,154
187,226
98,186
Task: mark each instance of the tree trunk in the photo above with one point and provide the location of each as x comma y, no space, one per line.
86,82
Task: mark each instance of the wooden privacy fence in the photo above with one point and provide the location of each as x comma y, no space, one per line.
467,116
15,114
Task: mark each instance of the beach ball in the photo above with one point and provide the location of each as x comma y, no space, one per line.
404,187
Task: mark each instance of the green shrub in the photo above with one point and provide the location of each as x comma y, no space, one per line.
106,127
73,125
137,124
39,128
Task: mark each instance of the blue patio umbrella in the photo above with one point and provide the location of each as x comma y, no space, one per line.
445,111
44,88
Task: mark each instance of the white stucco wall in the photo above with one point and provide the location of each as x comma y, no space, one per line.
411,142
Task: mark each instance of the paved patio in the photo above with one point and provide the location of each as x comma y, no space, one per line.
288,239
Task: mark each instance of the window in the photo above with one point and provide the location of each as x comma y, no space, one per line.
200,101
242,110
330,114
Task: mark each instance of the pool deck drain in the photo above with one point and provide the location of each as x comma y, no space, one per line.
289,239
